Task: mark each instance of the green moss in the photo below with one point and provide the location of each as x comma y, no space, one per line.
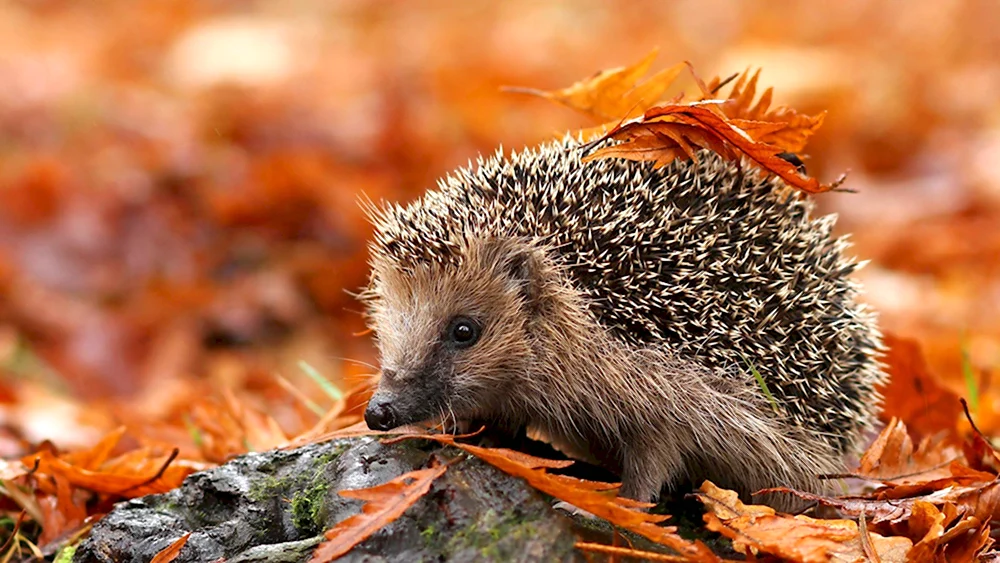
266,487
430,535
493,536
304,491
308,507
169,503
333,455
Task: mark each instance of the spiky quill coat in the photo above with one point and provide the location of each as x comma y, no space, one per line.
623,310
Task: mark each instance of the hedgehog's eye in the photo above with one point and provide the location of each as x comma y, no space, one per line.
463,332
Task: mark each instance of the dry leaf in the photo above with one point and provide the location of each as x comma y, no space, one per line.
614,94
913,395
876,510
137,475
591,496
758,529
732,127
172,551
384,503
61,513
892,458
683,126
613,552
782,127
92,458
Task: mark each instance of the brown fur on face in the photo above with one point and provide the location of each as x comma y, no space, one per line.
411,309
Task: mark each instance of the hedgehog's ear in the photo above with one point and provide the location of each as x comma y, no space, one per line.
523,264
525,268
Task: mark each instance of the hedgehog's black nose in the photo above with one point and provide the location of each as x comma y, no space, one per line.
380,415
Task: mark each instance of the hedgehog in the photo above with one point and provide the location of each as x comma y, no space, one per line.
672,324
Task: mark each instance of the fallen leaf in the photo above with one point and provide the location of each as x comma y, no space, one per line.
782,127
913,395
715,132
61,513
892,458
591,496
734,127
979,451
171,552
384,503
758,529
92,458
869,551
136,474
614,551
925,526
614,93
878,510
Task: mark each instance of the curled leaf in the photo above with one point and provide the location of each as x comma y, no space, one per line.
668,132
759,529
738,126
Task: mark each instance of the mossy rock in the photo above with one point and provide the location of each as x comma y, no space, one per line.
274,506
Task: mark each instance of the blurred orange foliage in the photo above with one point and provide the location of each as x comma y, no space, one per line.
179,182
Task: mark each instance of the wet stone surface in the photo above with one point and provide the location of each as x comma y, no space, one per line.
274,506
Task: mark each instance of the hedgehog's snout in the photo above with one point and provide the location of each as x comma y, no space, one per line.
380,415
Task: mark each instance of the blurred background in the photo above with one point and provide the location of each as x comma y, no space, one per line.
178,179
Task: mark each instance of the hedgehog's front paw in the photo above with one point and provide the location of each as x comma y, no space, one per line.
643,476
642,487
454,426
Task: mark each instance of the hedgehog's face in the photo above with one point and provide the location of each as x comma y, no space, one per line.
453,338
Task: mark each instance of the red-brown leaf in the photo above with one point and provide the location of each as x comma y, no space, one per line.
716,133
892,458
793,538
591,496
171,552
731,127
913,395
384,503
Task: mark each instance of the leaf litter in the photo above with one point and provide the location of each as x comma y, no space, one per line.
930,481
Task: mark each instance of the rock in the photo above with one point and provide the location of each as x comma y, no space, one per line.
275,506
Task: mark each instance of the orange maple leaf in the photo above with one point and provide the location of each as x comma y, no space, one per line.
680,128
384,503
591,496
614,94
733,127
